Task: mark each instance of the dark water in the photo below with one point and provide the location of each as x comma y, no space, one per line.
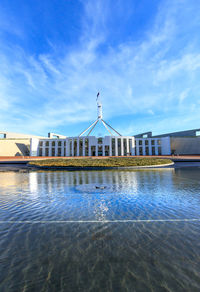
58,232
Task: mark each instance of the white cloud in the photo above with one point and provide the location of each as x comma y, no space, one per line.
148,76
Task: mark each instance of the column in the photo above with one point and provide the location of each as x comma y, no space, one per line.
67,147
137,147
116,147
56,148
43,148
133,149
150,147
96,150
78,147
83,147
50,148
128,148
110,146
143,147
62,148
72,147
103,149
122,147
89,146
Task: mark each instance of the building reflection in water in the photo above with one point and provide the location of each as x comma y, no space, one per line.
80,183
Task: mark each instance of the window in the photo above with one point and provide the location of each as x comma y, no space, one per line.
59,151
100,140
40,151
113,147
125,146
152,142
53,151
146,142
158,142
107,150
159,151
41,143
75,147
197,133
146,150
86,147
93,150
59,143
130,146
81,147
100,151
70,148
46,151
140,142
140,151
53,143
119,147
47,143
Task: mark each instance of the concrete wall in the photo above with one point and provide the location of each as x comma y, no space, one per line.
14,147
9,135
185,145
187,133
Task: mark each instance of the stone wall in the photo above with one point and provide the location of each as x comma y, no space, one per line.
14,147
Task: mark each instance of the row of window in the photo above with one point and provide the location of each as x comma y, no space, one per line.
100,141
139,151
152,142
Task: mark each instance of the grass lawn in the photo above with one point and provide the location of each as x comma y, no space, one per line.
95,162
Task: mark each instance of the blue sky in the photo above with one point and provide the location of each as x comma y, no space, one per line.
143,56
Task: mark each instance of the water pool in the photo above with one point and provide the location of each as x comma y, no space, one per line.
100,230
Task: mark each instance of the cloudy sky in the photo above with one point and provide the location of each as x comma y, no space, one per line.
143,56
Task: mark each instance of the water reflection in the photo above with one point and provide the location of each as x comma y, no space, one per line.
100,256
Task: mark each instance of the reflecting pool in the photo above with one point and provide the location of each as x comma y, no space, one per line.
100,230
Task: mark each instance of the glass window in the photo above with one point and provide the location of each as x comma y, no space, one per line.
158,142
146,150
93,149
46,151
153,151
47,143
152,142
41,143
75,147
140,142
100,151
86,147
113,147
40,151
53,151
107,150
146,142
140,151
100,140
159,151
119,147
59,143
125,146
81,147
53,143
59,151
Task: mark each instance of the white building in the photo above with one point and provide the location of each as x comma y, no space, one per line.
86,145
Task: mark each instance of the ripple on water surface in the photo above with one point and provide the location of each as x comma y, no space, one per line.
97,247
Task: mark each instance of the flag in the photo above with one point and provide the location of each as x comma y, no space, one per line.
97,95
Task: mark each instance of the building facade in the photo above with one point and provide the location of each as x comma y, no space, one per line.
100,146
